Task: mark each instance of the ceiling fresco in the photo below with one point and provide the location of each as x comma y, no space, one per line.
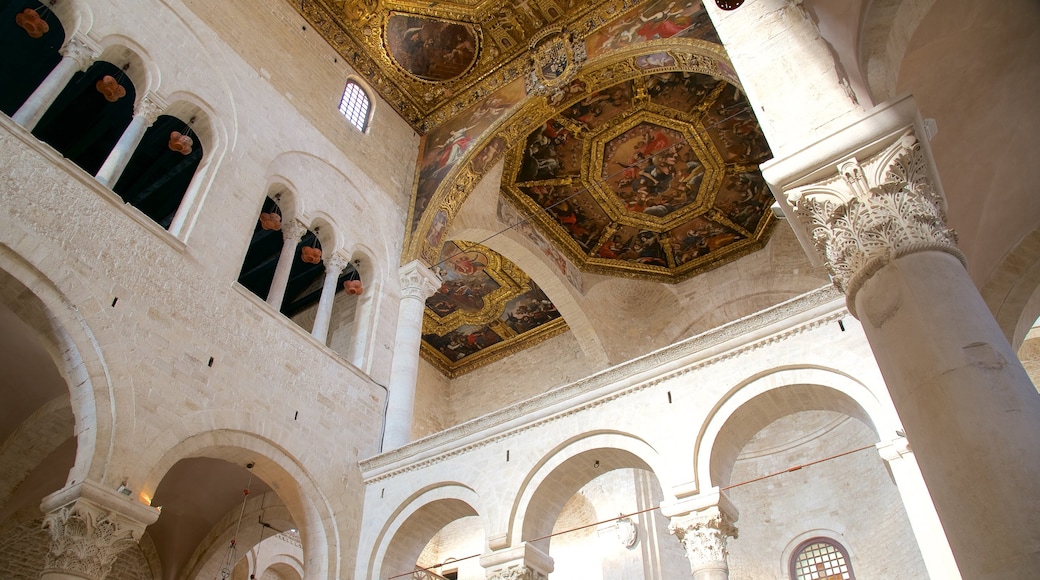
485,309
656,177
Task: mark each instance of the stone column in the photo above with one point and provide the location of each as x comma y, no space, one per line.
869,200
89,527
146,112
334,265
77,55
524,562
931,538
704,532
292,231
417,284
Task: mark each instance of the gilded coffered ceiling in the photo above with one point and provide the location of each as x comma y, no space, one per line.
431,60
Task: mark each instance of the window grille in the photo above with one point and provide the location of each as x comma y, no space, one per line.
355,105
821,559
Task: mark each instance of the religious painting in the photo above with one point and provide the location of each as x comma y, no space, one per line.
652,170
552,151
598,108
432,50
464,283
744,198
631,244
658,19
485,309
654,60
734,128
700,237
463,341
529,311
679,90
444,147
574,209
489,154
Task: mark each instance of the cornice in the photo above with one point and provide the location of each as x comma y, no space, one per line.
776,324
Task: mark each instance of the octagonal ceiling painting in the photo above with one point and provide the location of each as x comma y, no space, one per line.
653,178
485,309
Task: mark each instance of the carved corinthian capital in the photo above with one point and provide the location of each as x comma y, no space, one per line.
865,196
704,536
86,540
89,527
418,281
873,212
516,573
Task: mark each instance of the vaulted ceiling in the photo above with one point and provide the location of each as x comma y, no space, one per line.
629,148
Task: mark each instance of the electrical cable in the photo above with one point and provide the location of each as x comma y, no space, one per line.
622,516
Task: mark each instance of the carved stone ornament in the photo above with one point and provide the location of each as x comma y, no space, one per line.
517,572
85,540
556,56
627,532
418,281
873,212
704,538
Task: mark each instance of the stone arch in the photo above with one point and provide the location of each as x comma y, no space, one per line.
446,194
411,526
208,559
761,399
373,275
286,566
568,467
212,134
789,550
77,355
304,501
887,28
329,236
1012,292
142,70
75,16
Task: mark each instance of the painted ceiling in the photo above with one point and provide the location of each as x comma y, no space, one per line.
485,309
629,148
656,177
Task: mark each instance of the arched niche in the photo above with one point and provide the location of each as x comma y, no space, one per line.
27,60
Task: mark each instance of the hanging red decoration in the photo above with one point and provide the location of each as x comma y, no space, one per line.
30,20
110,88
180,143
310,255
270,221
353,287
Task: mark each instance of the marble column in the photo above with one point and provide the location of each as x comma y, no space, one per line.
89,527
931,538
704,532
525,562
146,112
334,265
417,284
77,54
292,231
869,201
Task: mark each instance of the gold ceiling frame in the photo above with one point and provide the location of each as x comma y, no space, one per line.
688,55
492,353
355,29
511,281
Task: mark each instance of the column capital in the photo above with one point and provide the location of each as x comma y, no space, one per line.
418,281
81,50
525,562
865,196
895,449
705,532
336,263
293,230
150,107
89,527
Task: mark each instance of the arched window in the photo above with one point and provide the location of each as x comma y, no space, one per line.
821,559
355,105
